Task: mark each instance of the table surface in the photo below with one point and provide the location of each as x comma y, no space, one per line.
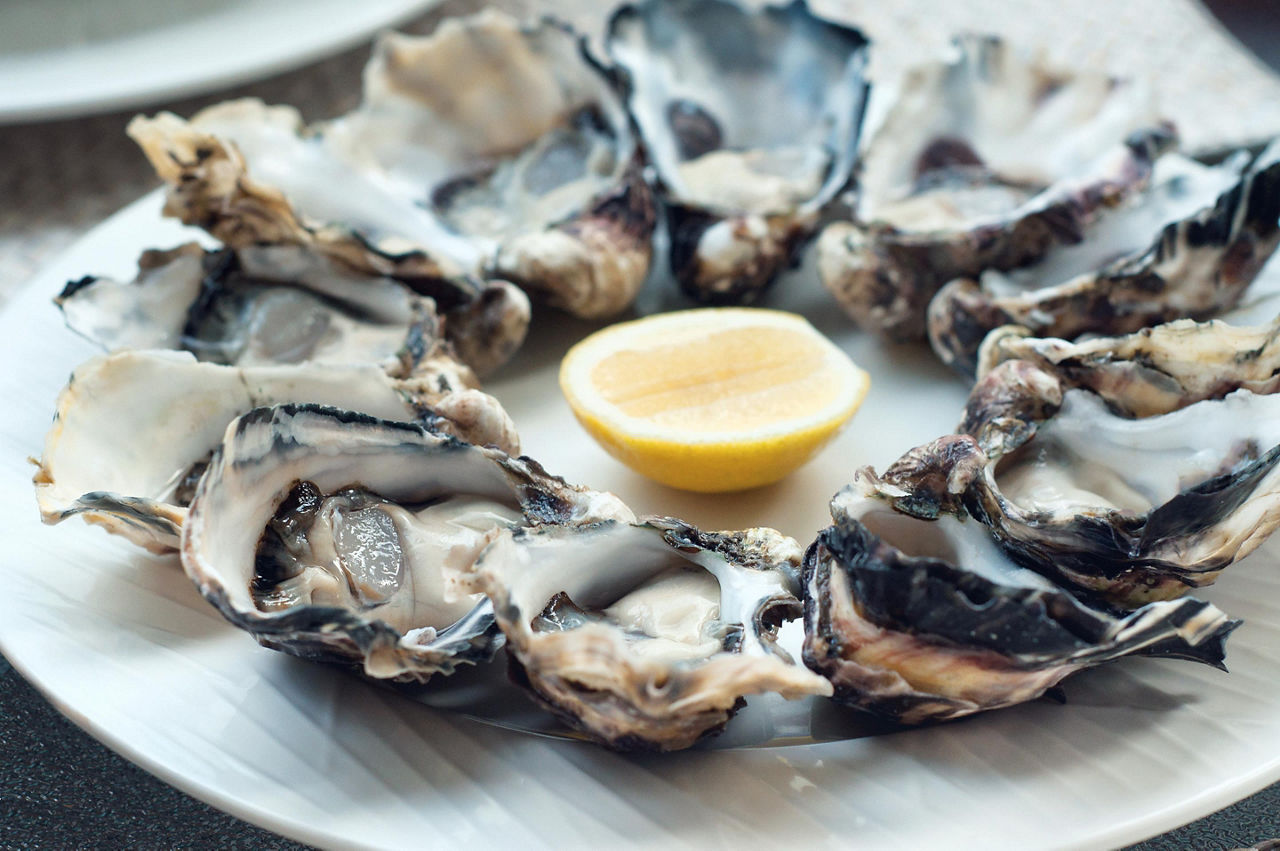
59,788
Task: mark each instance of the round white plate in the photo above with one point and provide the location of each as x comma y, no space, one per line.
61,58
123,645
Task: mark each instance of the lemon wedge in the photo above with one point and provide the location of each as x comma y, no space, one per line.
717,399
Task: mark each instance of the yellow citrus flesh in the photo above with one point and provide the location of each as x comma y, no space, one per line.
718,399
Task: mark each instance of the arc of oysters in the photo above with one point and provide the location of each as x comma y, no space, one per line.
345,538
648,636
482,149
751,119
983,160
914,614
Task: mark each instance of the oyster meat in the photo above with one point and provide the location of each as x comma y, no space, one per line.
915,615
646,636
751,119
1187,247
133,431
483,149
345,538
984,160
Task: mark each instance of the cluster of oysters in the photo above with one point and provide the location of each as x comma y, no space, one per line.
298,412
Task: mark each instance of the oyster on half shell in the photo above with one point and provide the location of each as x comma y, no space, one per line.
1189,246
751,120
646,636
133,431
483,149
914,614
1151,481
984,160
264,305
345,538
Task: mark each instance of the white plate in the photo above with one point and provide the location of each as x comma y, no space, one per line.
61,58
123,645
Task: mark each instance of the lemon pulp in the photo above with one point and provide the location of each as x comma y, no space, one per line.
716,399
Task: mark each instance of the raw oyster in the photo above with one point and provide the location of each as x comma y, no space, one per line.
1128,510
1153,371
341,537
914,614
1188,247
751,120
983,161
646,637
133,431
266,305
482,149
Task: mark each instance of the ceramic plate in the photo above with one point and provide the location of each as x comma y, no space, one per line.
61,58
122,644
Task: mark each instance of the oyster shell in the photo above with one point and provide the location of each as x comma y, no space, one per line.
133,431
344,538
985,160
1188,247
481,149
1128,510
1153,371
264,305
646,636
751,119
914,614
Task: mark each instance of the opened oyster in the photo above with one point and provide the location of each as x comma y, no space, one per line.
344,538
482,149
1129,509
1153,371
1187,247
984,161
646,637
751,120
133,431
914,614
264,305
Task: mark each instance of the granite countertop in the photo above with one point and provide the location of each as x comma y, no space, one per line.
59,788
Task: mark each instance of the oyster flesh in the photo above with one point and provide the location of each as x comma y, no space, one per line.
345,538
482,149
751,119
646,636
915,615
985,160
133,431
1188,247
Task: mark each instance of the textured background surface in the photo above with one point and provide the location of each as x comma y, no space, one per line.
59,788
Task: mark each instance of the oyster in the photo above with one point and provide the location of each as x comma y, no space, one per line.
646,636
985,160
266,305
751,120
1128,510
483,149
1188,247
914,614
1153,371
133,431
341,537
